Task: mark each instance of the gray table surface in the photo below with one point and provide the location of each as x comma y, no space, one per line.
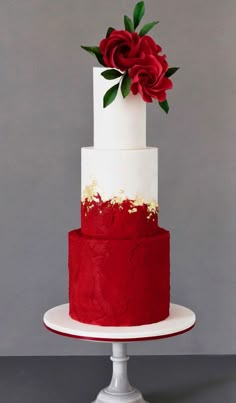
161,379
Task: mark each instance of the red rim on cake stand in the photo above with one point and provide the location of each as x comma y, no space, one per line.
180,320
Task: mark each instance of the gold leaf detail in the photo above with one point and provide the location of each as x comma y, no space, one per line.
133,210
90,191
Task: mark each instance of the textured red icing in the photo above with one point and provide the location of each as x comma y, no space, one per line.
125,220
119,282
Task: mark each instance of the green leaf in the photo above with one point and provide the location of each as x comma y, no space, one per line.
147,27
111,74
109,31
125,85
110,95
165,106
139,11
129,26
171,71
95,51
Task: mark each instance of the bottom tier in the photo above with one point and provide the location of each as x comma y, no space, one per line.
119,282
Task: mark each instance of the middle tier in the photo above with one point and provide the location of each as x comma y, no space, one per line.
119,192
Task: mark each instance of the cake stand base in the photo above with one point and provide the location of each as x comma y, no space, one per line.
119,390
133,397
179,321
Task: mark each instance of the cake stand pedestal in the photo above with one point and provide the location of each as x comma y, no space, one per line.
180,320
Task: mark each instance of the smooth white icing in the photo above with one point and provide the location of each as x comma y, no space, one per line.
122,124
130,173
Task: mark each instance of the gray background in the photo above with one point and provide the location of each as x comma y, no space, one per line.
46,116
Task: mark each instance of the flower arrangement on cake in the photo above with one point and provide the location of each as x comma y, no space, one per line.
136,59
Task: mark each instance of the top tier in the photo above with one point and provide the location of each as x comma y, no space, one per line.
121,125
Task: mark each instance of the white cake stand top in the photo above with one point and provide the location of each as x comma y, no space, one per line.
180,320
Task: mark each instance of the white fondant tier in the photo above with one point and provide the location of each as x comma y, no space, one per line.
122,124
132,174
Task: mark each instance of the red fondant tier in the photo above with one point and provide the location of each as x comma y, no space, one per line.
117,220
119,282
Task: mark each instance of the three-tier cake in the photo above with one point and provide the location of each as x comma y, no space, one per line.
119,260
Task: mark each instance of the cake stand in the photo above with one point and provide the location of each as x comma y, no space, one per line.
180,320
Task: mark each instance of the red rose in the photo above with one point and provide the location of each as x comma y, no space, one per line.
121,49
148,46
148,78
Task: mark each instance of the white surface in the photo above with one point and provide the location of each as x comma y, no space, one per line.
133,171
180,319
122,124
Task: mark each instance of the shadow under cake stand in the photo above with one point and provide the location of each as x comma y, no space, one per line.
180,320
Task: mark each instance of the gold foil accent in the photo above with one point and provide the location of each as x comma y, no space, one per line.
91,194
139,201
152,206
90,191
133,210
117,200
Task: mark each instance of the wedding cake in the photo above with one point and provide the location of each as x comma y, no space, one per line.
119,260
